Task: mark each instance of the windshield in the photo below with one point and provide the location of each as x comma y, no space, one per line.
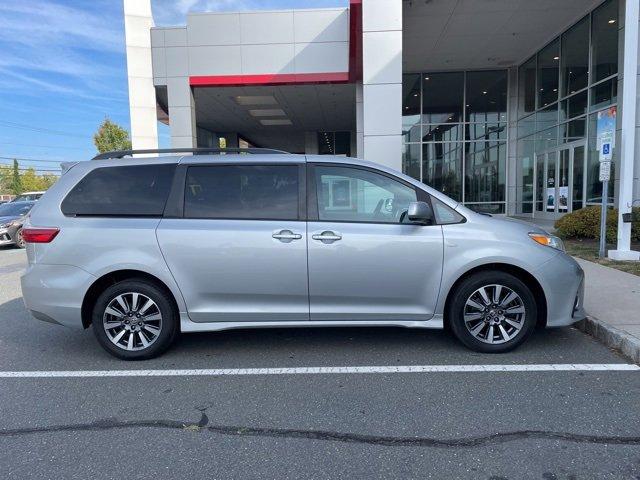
15,209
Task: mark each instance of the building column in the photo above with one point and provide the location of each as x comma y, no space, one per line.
138,21
311,143
512,142
629,157
382,82
182,113
359,152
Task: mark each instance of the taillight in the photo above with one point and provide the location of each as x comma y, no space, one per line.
39,235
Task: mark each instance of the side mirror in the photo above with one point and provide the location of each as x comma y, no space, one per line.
420,212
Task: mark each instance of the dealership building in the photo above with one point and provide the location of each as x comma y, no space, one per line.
496,103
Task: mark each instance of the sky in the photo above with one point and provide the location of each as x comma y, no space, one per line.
63,70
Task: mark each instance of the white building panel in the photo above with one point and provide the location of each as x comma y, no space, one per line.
179,92
222,60
266,27
381,15
213,29
384,150
321,25
177,61
157,37
260,59
159,62
180,119
321,57
381,106
175,37
383,53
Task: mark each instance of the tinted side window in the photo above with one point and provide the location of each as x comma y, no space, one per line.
242,192
445,215
137,190
354,195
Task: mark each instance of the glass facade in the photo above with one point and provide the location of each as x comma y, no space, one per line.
455,134
560,91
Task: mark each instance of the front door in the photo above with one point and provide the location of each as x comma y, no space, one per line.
239,252
558,181
366,262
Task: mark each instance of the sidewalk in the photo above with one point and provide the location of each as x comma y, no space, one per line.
612,302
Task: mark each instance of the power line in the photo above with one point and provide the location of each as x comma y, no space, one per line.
39,129
34,160
62,147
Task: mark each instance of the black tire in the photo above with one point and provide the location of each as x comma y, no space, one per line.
163,304
472,284
19,240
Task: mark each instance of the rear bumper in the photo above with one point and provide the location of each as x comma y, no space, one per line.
562,280
54,293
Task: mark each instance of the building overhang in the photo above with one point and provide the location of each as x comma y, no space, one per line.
440,35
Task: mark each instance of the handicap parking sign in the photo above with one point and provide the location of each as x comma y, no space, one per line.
606,149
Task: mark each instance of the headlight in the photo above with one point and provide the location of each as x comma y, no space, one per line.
547,240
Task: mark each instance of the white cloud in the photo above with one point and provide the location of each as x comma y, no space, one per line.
56,47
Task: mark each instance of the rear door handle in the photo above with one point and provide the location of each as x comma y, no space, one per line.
286,236
327,236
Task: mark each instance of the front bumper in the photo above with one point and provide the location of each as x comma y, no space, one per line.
5,238
54,293
562,280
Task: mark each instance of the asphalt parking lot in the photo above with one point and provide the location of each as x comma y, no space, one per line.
290,423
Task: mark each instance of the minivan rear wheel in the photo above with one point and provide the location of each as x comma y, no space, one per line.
492,312
135,320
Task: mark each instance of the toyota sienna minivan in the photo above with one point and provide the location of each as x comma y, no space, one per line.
140,249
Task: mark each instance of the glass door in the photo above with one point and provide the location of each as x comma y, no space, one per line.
559,180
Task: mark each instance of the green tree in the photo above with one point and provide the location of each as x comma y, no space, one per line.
16,181
111,136
5,178
32,182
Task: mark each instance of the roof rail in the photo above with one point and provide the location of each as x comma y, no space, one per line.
195,151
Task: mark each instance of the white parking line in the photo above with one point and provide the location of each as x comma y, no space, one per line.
556,367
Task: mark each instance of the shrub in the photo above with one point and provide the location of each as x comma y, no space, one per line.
585,223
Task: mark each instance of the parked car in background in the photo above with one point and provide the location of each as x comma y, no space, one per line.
12,217
142,248
28,197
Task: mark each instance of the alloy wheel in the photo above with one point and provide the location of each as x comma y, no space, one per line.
494,314
132,321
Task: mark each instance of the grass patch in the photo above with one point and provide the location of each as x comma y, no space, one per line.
588,250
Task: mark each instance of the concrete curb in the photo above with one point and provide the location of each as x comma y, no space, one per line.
612,337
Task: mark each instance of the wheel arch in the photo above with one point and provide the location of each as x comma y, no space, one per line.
111,278
518,272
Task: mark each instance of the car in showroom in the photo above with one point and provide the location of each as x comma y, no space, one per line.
143,248
12,217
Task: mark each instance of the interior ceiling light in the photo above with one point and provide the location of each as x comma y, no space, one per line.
256,100
612,21
279,121
267,112
556,58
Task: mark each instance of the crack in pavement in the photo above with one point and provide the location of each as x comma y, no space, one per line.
323,435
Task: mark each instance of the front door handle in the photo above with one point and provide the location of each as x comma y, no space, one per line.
286,236
327,236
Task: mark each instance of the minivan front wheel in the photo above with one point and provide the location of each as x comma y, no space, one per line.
134,320
492,312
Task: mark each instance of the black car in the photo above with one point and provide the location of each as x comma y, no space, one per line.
12,216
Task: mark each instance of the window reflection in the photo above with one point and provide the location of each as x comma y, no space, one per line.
575,58
442,167
548,65
486,96
443,97
604,31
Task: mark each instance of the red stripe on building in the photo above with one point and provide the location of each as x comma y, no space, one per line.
268,79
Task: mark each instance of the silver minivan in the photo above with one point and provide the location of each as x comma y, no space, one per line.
143,248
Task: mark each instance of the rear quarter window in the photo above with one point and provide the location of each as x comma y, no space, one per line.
137,190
